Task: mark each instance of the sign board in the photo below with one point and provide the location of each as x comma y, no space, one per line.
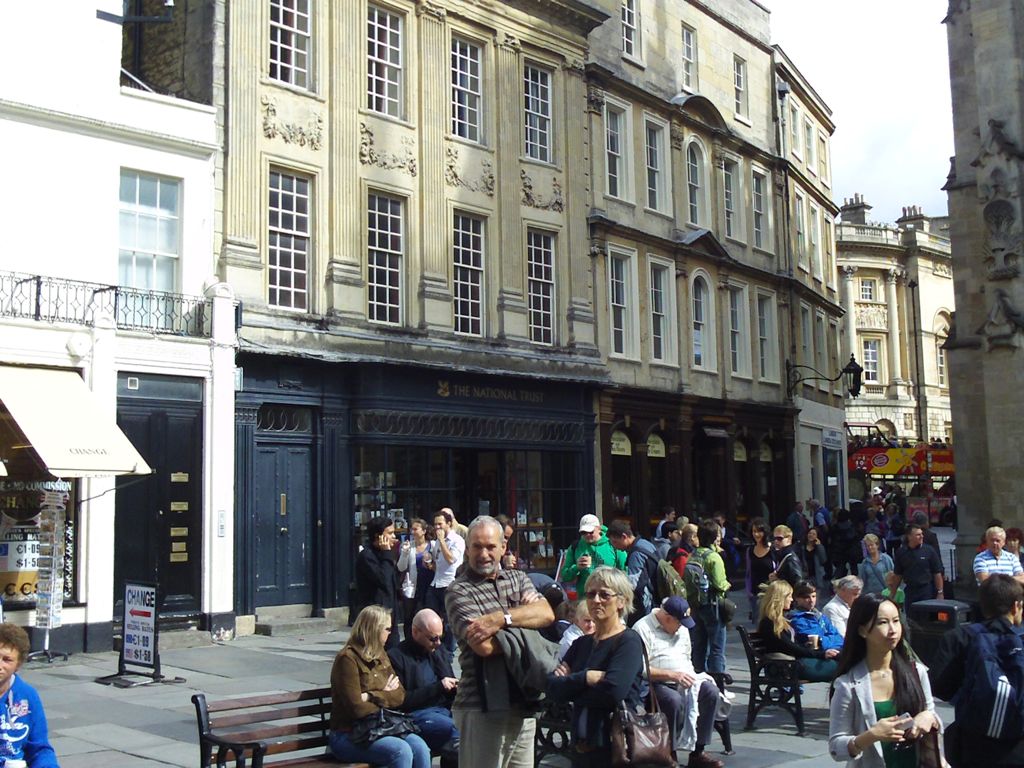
655,447
21,536
621,446
833,439
49,562
139,646
739,451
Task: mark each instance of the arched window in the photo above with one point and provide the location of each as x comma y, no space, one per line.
700,323
695,183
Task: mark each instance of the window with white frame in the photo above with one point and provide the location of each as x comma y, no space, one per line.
809,145
730,191
631,28
466,90
290,42
868,289
617,143
695,183
468,273
689,68
537,112
812,239
739,344
834,363
739,82
827,248
662,312
767,338
384,73
149,232
385,256
288,240
657,178
702,312
871,349
621,302
801,244
940,355
794,130
759,197
540,265
822,158
805,336
820,347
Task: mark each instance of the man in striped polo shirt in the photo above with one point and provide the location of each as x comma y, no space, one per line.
995,559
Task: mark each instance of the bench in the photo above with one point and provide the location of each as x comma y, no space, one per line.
251,729
774,680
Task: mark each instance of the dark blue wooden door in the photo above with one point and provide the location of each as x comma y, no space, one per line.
284,524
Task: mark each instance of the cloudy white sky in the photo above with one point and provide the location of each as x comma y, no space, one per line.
882,67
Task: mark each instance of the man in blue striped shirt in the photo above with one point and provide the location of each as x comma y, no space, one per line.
995,559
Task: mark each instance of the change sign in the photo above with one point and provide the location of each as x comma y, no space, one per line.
139,646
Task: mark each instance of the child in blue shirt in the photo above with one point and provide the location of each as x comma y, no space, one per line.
24,739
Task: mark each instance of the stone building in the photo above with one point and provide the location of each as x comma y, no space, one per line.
110,308
706,238
984,186
898,295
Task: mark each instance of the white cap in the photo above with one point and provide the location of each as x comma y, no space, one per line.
588,523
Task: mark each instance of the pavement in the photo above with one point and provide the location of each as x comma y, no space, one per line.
154,725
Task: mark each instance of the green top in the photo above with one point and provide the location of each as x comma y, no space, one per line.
601,553
714,567
894,758
899,599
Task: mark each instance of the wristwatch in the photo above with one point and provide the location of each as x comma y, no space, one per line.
508,619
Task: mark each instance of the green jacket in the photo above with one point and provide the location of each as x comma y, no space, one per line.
601,553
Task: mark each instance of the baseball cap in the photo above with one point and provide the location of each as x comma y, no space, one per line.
679,609
588,523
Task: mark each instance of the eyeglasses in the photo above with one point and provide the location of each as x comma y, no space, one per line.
604,594
779,538
434,638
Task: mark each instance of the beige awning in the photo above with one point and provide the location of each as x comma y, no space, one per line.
64,425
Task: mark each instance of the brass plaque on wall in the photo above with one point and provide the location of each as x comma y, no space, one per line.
179,557
179,477
179,546
179,506
179,531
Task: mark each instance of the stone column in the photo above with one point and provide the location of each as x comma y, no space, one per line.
512,310
895,339
850,321
436,307
577,196
345,284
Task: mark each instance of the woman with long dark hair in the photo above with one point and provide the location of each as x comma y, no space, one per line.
759,561
881,699
377,580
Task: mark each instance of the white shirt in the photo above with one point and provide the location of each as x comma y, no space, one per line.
838,613
571,635
668,652
444,572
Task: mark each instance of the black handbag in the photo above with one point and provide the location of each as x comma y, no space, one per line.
383,722
644,738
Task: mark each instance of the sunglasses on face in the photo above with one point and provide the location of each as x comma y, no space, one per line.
779,538
601,594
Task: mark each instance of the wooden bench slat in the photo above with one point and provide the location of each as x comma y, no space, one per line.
310,742
269,731
263,715
269,699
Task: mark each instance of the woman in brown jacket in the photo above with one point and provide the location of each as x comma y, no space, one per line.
362,681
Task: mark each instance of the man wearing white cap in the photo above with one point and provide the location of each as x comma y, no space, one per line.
592,549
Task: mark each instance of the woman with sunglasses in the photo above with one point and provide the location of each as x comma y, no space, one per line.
881,699
363,682
600,670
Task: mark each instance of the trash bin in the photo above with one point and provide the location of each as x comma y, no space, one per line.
930,620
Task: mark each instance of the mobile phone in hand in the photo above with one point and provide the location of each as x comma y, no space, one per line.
906,721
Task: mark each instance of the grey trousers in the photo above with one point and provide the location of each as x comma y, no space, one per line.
495,739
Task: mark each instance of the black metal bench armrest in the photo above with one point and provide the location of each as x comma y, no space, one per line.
231,750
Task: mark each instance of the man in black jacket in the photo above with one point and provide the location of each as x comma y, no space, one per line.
428,680
786,563
1002,605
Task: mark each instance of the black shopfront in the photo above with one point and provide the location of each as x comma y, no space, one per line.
323,448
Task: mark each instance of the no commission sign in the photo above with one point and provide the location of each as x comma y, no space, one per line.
139,646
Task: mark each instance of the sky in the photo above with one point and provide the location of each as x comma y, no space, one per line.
882,66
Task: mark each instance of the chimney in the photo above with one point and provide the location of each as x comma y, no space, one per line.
855,210
913,218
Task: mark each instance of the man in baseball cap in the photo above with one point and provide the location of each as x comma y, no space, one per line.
666,635
592,549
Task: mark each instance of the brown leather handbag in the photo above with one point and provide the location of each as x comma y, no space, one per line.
643,739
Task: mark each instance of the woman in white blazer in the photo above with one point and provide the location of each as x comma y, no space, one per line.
876,685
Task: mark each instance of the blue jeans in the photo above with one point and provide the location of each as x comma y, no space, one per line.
708,640
410,751
436,726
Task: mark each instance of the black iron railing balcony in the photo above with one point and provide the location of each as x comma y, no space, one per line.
57,300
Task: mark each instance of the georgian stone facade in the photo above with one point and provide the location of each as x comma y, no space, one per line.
984,186
898,294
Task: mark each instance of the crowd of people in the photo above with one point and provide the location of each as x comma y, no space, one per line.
521,639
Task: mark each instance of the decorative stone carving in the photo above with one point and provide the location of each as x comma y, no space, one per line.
452,177
848,271
598,248
428,8
997,144
895,275
310,134
872,316
511,43
677,137
575,67
554,203
1004,240
595,99
370,155
942,270
1004,322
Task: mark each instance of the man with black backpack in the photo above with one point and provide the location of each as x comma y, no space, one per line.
982,666
706,585
641,567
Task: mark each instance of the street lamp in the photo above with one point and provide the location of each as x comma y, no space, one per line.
852,373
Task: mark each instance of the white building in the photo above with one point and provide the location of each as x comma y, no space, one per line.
109,227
